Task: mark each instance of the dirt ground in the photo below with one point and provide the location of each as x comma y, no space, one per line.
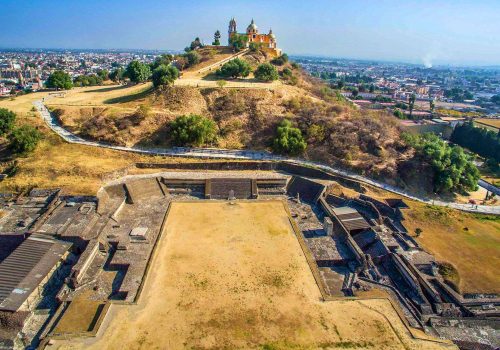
234,277
79,315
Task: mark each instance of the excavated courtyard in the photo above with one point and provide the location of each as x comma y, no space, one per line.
234,276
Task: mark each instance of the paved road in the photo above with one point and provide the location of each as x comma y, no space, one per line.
249,155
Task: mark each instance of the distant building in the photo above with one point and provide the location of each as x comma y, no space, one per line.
268,41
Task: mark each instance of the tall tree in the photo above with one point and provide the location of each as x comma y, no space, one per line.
411,104
217,37
7,119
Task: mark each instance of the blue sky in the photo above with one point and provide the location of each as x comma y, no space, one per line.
451,31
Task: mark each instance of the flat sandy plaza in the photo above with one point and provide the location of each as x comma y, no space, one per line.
234,276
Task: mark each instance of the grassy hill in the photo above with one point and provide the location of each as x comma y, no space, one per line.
246,116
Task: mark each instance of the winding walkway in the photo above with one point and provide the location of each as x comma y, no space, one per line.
248,155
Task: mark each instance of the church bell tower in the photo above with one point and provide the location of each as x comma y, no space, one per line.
231,31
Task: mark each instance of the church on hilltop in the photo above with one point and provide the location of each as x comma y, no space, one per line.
267,41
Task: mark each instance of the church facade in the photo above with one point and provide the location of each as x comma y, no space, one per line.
267,41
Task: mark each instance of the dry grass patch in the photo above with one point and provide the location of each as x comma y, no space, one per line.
235,277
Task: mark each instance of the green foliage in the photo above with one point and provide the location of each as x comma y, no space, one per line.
192,58
87,80
193,130
59,80
195,44
288,140
453,168
484,142
281,60
238,41
399,114
103,74
164,75
117,75
217,37
164,59
138,72
7,119
266,72
24,139
411,104
458,95
254,47
234,69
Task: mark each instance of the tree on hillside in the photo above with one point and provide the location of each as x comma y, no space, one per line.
217,37
164,59
117,75
24,139
266,72
87,80
164,75
195,44
193,130
192,58
59,80
281,60
340,84
103,74
355,93
234,69
7,119
411,104
238,41
289,140
453,168
138,72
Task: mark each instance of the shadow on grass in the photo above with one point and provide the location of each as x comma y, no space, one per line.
111,88
130,98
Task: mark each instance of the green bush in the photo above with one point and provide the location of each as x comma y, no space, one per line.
24,139
288,139
234,69
138,72
281,60
59,80
453,168
238,41
7,119
266,72
193,130
164,75
192,58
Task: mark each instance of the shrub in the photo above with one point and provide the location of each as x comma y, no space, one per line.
288,139
193,130
399,114
24,139
7,119
266,72
281,60
164,75
192,58
234,69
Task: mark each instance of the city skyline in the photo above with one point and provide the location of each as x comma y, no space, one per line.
446,33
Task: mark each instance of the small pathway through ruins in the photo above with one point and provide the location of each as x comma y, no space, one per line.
68,136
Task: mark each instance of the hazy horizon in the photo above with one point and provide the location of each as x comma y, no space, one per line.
456,33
